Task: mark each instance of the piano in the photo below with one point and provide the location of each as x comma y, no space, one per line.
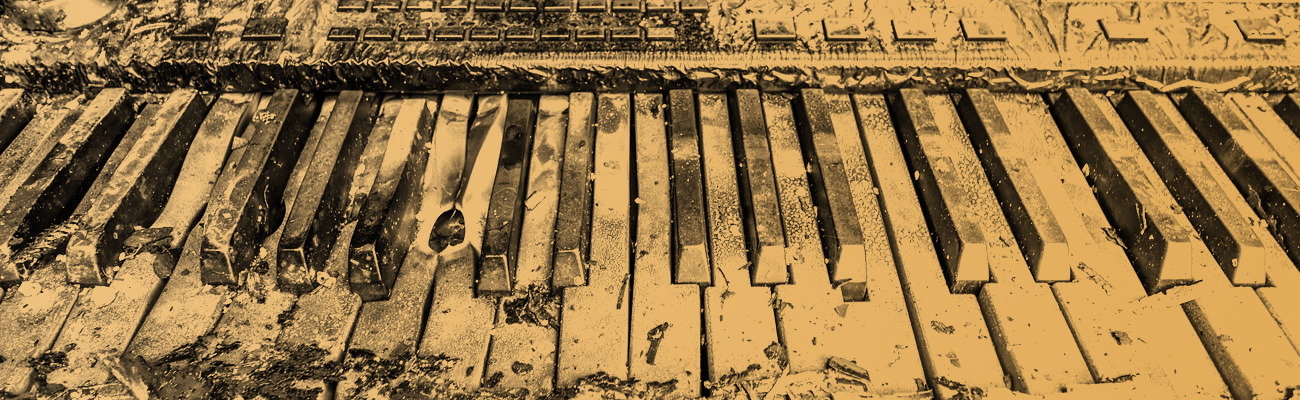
651,199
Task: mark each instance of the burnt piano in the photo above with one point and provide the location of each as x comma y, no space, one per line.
656,199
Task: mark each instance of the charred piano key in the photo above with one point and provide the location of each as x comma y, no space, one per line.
312,224
133,192
841,231
1168,144
691,247
386,227
758,193
1037,231
1253,165
657,303
244,204
1142,209
1289,110
957,233
602,305
505,210
15,111
59,175
38,137
573,220
774,30
482,156
203,160
1260,30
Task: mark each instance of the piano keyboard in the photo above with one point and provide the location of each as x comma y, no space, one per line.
677,244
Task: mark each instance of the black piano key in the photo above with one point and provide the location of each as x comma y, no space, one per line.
505,211
573,220
265,29
1039,234
312,224
841,230
957,233
590,34
15,111
1289,110
521,34
1253,165
128,196
244,204
1141,208
1228,234
387,224
690,231
37,138
62,171
758,193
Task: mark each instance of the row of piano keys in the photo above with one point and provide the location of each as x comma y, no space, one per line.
1136,246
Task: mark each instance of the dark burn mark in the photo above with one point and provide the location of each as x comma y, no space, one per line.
942,327
655,336
448,230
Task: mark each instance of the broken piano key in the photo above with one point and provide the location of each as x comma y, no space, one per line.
312,224
59,175
505,213
387,223
127,196
245,205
